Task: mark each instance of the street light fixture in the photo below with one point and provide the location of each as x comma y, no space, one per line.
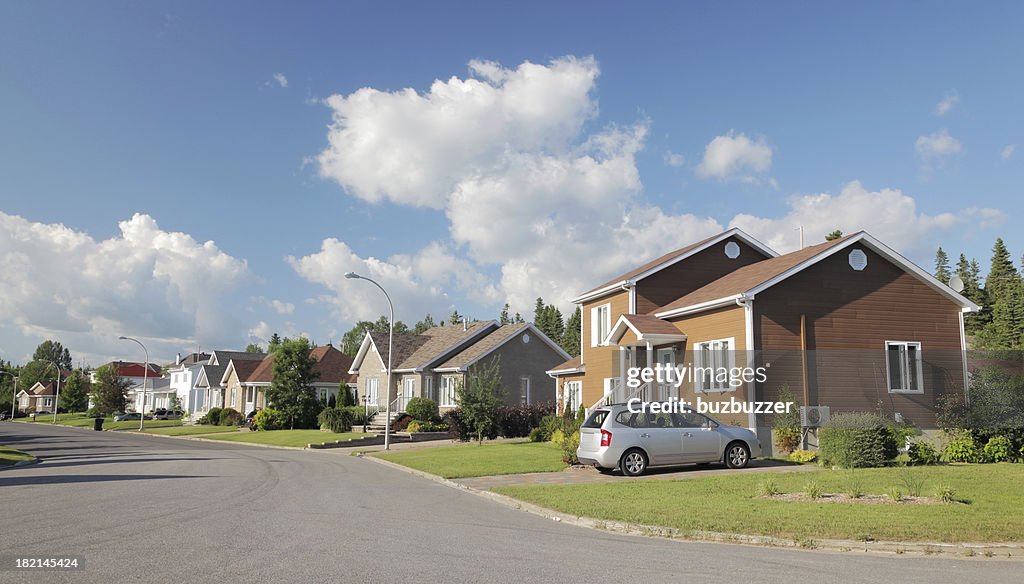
391,338
145,379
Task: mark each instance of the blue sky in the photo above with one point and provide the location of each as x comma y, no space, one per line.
907,115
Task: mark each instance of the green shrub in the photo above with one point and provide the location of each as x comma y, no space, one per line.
803,456
999,449
786,426
568,443
901,433
856,440
551,423
213,416
270,419
921,453
768,488
537,435
360,415
336,420
813,490
962,448
421,426
946,494
230,417
422,409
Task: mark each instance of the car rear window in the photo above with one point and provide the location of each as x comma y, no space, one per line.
596,419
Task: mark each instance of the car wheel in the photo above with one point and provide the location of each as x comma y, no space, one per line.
737,455
633,462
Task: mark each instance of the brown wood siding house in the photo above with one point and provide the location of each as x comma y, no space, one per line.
865,315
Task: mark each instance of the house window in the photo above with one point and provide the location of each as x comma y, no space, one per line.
600,324
713,362
47,402
573,395
448,397
428,388
233,394
323,395
903,362
372,389
524,390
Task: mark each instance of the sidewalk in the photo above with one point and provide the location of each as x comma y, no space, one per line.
589,475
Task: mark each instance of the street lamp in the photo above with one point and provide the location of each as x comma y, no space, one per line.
56,399
14,396
391,338
145,379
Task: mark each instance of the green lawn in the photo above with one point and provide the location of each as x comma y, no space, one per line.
474,460
134,424
9,456
188,430
728,504
81,421
287,437
78,419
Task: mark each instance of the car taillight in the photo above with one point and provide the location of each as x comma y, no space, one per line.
606,438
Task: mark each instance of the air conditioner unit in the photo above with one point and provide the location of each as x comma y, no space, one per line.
813,416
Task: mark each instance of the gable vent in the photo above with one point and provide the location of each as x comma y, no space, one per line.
732,250
858,259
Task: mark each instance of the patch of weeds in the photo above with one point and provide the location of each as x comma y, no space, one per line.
768,488
807,543
865,537
988,553
894,494
969,552
913,482
813,490
947,494
854,485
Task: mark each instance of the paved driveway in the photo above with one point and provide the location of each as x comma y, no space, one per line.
147,509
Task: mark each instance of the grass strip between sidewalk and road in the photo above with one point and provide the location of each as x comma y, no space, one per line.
478,460
11,456
296,438
729,504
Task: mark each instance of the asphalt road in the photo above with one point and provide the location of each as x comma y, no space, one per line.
148,509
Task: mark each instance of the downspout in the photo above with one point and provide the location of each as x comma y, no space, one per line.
748,328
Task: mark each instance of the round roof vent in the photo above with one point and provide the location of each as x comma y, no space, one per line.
858,259
732,250
526,339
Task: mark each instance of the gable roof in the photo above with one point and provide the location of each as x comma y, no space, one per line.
243,368
223,357
574,365
331,366
40,390
416,352
671,258
208,372
646,328
491,342
749,280
135,369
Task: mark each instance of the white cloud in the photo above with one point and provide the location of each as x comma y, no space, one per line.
282,307
145,282
937,145
280,79
673,159
888,214
1007,151
735,156
946,103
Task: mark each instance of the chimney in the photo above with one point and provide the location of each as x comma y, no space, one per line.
465,324
177,360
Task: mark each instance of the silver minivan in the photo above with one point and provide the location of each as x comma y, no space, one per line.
631,441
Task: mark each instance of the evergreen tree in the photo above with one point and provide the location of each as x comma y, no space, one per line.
455,318
423,325
548,319
834,235
481,397
74,393
518,319
504,318
1006,329
1002,275
969,272
352,339
346,398
571,338
942,266
275,343
291,388
110,392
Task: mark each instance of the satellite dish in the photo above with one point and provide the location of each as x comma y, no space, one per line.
957,284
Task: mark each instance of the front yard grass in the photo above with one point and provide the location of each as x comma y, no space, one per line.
81,421
476,460
188,430
108,424
10,456
287,437
729,504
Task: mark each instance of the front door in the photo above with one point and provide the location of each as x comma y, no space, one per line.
666,357
408,392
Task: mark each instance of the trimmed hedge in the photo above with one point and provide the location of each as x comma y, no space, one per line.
423,409
856,440
270,419
337,420
513,421
230,417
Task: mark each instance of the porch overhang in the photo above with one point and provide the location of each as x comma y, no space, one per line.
646,329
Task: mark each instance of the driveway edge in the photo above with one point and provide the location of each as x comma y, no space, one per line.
1005,551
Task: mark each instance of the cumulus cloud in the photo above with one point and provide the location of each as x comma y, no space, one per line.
673,159
146,282
1007,151
937,145
946,103
735,156
888,214
282,307
279,79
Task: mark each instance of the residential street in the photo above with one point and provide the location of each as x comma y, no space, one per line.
153,509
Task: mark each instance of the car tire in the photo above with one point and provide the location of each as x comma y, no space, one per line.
633,462
737,455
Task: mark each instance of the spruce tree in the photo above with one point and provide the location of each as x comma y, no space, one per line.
1002,275
571,337
504,318
942,266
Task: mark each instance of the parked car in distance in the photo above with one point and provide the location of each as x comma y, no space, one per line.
164,414
42,413
130,417
250,420
4,415
614,437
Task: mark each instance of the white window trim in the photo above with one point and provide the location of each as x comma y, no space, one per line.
428,387
529,383
572,395
920,367
596,340
448,385
697,363
372,391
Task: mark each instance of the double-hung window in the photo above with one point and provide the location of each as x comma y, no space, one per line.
372,389
904,366
573,395
600,324
713,363
448,397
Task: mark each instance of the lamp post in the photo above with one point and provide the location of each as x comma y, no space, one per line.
56,399
391,338
145,379
14,396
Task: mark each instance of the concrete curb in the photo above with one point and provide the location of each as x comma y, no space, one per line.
21,463
1004,551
